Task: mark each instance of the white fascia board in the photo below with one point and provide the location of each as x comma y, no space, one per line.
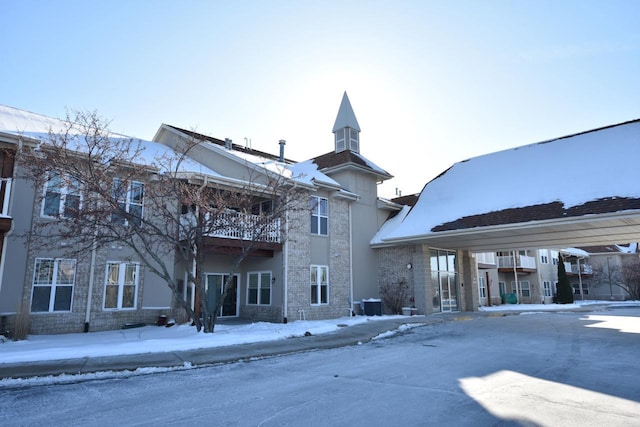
417,238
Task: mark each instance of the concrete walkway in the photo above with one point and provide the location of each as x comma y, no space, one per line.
351,335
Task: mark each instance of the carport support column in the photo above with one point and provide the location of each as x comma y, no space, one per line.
422,286
469,298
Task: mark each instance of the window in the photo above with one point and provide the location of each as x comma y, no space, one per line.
319,215
503,288
259,288
319,284
340,140
555,261
53,281
547,288
544,259
525,288
262,208
576,289
130,199
121,287
482,287
61,196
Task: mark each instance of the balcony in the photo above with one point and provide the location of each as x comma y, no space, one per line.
5,196
574,270
523,263
229,232
486,259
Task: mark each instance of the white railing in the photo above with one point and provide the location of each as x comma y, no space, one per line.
523,261
235,225
486,258
5,196
584,268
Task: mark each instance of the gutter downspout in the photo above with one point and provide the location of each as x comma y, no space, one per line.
92,271
515,275
351,259
285,275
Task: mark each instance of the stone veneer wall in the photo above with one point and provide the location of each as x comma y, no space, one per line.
392,267
299,259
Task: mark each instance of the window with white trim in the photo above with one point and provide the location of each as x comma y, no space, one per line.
503,288
319,215
319,284
547,288
53,281
259,288
121,285
62,196
576,289
482,287
544,259
525,288
130,198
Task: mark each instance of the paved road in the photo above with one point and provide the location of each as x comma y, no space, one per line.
537,369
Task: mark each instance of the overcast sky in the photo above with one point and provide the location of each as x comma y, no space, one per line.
431,82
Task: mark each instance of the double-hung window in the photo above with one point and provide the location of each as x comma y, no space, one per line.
319,284
121,287
319,215
130,199
53,281
482,287
547,288
62,196
525,288
259,288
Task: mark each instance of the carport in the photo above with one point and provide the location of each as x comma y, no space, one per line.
577,190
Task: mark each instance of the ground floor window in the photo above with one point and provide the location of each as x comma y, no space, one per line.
547,288
216,284
503,288
319,284
121,287
482,287
576,289
53,280
259,288
525,288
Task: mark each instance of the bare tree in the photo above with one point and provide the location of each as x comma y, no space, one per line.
146,197
625,276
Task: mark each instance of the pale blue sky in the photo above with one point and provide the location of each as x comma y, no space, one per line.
431,82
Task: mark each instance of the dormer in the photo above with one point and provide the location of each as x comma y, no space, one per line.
346,129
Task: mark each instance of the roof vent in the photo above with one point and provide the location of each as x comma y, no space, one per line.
228,144
282,142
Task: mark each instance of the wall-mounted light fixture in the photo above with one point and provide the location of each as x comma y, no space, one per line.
409,266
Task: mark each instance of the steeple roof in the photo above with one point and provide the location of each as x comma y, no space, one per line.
346,117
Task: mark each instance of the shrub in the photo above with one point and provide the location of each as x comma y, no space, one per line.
395,296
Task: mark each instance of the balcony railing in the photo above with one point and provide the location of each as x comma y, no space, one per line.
5,196
523,261
235,225
486,258
573,268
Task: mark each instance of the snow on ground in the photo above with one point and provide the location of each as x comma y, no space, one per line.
155,339
556,307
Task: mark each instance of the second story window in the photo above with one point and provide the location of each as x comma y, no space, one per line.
130,198
61,196
319,215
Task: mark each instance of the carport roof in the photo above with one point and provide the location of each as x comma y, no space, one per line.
577,190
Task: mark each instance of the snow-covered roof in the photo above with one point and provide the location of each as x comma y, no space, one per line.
566,176
35,126
346,117
576,252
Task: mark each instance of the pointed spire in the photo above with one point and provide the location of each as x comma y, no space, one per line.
346,129
346,117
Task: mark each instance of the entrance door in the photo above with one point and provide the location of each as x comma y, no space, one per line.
444,279
215,283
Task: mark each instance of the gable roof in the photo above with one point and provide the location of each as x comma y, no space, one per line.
333,161
575,176
346,117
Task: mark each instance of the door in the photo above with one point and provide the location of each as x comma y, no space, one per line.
215,283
